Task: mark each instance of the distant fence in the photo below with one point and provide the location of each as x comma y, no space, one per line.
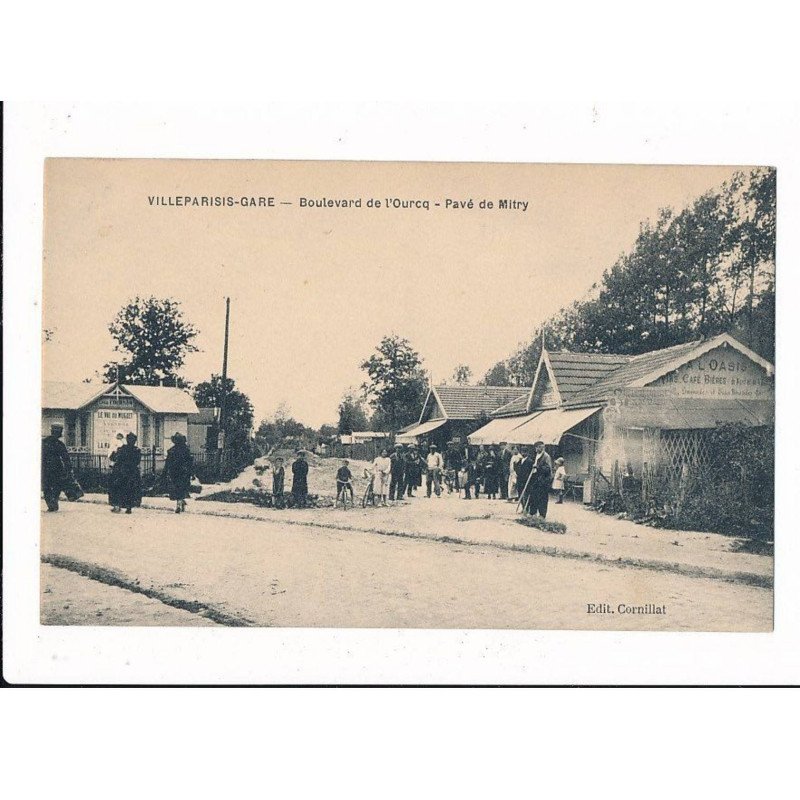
361,451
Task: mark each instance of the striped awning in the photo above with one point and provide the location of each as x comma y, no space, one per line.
498,430
549,426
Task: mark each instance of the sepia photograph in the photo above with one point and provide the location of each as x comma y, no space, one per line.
343,394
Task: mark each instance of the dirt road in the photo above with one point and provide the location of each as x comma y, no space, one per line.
265,573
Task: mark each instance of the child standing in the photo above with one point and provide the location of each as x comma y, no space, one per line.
277,483
344,483
558,480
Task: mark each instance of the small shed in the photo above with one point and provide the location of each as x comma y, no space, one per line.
93,414
456,411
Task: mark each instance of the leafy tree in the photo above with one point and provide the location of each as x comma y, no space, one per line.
239,449
238,408
397,383
498,375
352,416
154,338
327,431
462,375
707,269
282,429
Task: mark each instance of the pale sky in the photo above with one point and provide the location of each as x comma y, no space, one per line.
314,290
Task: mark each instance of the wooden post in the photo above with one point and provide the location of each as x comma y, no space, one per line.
224,401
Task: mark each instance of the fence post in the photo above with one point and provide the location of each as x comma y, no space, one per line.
154,460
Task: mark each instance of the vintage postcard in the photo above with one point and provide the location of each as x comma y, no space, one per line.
408,395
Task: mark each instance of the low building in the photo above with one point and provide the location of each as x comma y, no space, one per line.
634,413
451,412
202,430
362,437
93,414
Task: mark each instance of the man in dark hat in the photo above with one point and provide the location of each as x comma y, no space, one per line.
56,467
179,468
524,469
300,480
413,470
541,478
397,473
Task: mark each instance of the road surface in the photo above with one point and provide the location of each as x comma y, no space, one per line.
154,568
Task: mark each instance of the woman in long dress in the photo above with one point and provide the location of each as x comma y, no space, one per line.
125,490
381,468
513,489
179,467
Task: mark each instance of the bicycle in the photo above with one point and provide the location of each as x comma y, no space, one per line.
343,492
369,494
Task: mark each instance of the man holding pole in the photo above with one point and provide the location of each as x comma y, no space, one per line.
538,490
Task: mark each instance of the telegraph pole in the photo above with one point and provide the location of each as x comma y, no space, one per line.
223,403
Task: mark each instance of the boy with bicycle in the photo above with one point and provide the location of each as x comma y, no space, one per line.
344,484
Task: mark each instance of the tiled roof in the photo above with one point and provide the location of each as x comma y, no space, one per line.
577,371
514,408
469,402
637,367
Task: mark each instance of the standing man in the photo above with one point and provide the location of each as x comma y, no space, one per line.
505,470
413,471
300,480
396,473
56,467
540,482
524,469
454,462
480,465
435,466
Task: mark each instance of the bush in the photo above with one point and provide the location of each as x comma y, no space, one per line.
733,493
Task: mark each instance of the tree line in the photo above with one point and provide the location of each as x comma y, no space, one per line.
691,274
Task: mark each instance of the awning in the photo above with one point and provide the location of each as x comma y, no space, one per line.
420,430
499,430
549,426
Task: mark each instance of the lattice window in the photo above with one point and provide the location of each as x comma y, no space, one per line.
684,447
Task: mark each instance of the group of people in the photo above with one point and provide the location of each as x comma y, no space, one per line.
525,474
125,480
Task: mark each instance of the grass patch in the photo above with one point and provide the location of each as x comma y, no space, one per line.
545,525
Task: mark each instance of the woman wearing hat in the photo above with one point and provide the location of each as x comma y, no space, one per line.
125,490
179,468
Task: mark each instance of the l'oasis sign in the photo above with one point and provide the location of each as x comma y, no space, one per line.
722,372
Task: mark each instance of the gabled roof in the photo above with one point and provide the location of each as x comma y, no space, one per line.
158,399
645,368
163,399
70,396
469,402
588,378
576,371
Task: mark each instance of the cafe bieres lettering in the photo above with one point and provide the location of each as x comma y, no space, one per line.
719,373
